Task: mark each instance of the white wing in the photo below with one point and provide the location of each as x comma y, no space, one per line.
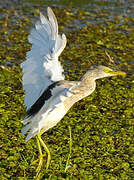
54,107
42,67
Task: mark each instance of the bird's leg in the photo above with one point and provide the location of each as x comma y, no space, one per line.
40,157
70,149
46,149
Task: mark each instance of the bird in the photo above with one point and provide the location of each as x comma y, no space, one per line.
48,96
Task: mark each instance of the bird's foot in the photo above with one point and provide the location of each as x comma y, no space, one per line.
35,161
40,159
40,164
48,161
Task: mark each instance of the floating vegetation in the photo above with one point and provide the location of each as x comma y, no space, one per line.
102,125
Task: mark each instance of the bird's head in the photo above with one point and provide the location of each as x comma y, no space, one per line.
100,71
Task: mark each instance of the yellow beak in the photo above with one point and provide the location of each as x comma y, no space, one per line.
118,73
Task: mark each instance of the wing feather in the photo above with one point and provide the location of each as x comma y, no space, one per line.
37,122
42,67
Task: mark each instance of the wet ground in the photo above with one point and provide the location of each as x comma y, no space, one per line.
99,32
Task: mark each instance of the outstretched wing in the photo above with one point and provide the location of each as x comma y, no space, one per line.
42,67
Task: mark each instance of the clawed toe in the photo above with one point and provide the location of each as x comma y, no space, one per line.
40,164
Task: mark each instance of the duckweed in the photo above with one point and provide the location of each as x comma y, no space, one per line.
102,124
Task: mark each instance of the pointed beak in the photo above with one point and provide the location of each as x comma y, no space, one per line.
116,73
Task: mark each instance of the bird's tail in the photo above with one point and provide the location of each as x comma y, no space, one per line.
31,127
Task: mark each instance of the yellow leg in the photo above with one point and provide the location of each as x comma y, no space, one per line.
46,149
40,157
40,143
70,149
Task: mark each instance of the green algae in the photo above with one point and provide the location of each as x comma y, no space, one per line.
101,124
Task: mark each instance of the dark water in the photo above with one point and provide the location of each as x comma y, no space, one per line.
84,12
124,7
111,8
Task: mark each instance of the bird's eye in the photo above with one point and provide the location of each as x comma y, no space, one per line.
108,70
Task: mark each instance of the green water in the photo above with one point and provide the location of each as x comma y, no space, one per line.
101,124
